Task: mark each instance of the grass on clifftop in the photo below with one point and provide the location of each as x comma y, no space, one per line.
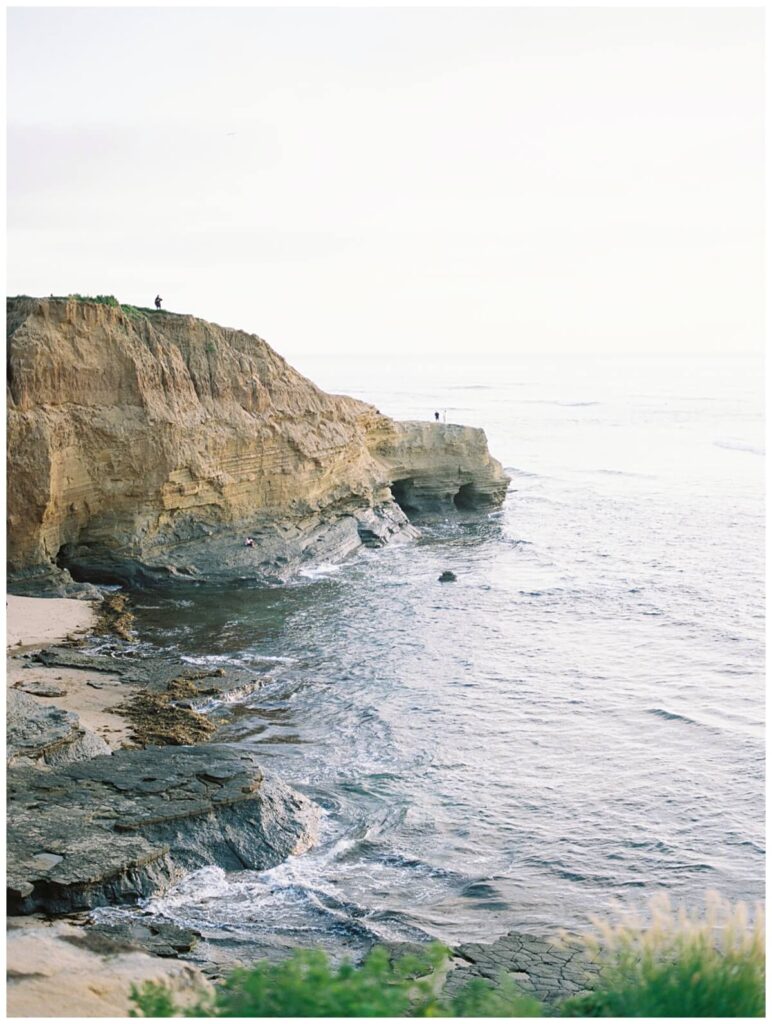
110,300
675,966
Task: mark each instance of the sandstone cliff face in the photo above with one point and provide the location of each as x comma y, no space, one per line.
142,446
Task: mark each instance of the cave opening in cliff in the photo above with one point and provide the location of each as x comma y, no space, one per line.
466,498
402,492
84,567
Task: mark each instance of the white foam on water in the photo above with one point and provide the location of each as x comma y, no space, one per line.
324,570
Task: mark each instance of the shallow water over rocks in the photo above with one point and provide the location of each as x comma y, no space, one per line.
578,720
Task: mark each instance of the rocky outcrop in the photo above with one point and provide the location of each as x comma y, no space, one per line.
46,735
435,467
56,969
144,446
114,829
548,970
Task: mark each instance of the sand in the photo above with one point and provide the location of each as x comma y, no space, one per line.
35,622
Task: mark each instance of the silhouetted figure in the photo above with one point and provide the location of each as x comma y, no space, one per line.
437,416
158,301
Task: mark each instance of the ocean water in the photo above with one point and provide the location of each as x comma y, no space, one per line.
577,722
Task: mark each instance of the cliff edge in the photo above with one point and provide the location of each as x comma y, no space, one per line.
145,445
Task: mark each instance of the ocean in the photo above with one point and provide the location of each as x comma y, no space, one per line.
573,725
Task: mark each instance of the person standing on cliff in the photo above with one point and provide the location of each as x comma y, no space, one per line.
437,417
158,301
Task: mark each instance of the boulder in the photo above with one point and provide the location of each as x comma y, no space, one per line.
115,829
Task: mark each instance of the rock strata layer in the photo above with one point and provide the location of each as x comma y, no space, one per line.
46,735
144,447
114,829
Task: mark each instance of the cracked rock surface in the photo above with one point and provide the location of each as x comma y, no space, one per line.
114,829
550,971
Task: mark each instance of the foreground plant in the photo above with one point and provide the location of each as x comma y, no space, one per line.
711,965
307,985
677,965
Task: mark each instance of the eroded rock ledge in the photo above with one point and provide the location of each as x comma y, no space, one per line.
146,446
117,828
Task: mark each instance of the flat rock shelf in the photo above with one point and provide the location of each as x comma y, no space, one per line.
117,828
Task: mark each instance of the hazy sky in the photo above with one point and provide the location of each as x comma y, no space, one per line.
417,180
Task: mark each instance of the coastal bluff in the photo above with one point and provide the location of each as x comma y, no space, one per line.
144,446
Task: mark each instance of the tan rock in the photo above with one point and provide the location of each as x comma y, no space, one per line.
59,970
149,437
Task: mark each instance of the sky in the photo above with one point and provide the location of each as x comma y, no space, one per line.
418,181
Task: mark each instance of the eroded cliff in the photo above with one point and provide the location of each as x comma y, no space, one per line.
147,445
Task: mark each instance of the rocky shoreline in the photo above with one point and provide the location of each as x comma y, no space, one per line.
144,449
106,816
100,815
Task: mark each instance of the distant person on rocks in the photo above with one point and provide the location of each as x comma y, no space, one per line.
249,543
158,301
437,417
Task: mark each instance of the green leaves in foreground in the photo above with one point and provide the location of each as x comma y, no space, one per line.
672,966
307,985
678,966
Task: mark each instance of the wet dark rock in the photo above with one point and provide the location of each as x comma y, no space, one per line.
68,657
44,734
377,526
447,577
48,580
161,938
549,970
218,554
115,829
41,689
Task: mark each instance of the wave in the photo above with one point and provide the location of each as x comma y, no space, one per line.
619,472
671,716
322,571
676,716
557,401
243,660
740,446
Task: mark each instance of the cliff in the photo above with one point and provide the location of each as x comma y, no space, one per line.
146,445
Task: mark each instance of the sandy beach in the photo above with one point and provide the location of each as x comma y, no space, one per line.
37,621
34,622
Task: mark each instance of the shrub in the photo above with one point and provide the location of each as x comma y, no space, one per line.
678,966
103,300
479,998
132,311
307,985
